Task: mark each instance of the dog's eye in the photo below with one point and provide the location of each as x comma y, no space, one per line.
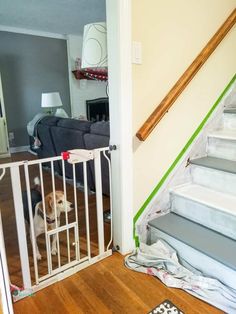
60,202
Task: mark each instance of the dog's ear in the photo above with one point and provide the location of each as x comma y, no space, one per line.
49,204
40,206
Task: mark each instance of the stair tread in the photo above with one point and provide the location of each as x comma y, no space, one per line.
216,163
218,200
230,110
228,134
209,242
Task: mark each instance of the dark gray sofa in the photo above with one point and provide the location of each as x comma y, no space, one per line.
59,134
48,148
99,137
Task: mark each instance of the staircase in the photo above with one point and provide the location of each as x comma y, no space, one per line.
201,224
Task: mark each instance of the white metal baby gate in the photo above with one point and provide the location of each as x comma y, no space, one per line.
28,261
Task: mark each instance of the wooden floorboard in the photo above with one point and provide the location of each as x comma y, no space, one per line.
109,287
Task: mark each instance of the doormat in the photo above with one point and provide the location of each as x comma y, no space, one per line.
166,307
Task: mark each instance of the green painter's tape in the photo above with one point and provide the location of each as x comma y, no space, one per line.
192,138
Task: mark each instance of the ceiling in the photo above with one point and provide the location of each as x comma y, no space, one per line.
54,16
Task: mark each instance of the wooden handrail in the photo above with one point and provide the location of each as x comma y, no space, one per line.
184,80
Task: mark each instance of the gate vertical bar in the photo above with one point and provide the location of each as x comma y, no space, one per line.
99,200
55,213
31,219
20,225
49,257
77,244
86,208
111,200
66,211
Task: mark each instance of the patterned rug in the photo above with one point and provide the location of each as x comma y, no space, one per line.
166,307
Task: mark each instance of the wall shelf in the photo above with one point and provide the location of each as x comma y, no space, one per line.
88,74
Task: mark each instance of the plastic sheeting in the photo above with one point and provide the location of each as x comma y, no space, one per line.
161,260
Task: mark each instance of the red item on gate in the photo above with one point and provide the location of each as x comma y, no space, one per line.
65,155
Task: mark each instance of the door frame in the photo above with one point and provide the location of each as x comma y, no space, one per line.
4,116
119,40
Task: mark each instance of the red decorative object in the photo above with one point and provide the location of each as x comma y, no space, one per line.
91,74
65,155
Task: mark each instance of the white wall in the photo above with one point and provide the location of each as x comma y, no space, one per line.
80,93
172,34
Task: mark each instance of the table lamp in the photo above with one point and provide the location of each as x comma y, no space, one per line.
50,101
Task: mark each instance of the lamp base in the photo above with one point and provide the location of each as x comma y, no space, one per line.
48,111
60,112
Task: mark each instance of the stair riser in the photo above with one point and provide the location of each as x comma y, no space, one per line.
217,180
196,259
207,216
221,148
229,121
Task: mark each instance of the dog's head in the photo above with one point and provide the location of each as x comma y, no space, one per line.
58,204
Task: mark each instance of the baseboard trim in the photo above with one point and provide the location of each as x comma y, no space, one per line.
5,155
19,149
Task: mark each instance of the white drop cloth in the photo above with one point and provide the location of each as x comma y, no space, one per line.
161,260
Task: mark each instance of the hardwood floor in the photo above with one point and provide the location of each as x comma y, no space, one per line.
9,224
109,287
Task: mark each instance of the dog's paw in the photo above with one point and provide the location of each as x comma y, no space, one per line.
39,256
54,251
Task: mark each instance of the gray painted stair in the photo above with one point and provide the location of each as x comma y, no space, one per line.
204,249
209,242
231,110
215,163
210,208
214,173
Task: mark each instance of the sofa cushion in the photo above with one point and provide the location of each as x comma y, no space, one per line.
100,128
49,120
66,139
47,148
81,125
93,141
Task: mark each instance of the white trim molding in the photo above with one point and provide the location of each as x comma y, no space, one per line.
26,31
19,149
5,155
120,103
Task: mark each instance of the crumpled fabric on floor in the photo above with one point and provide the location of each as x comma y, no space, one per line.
161,260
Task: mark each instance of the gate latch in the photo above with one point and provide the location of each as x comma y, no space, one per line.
77,155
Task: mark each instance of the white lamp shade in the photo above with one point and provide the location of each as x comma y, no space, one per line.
50,100
94,52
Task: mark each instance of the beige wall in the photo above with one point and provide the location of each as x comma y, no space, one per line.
172,33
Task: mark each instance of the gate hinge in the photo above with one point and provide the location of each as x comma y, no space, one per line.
112,147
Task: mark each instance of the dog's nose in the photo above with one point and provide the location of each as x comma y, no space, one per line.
72,206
